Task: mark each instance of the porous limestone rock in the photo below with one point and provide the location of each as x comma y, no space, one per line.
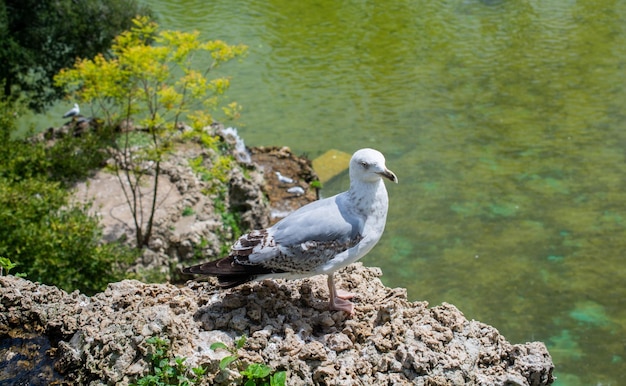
388,341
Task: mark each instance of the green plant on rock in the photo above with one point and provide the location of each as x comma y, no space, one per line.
187,211
198,249
231,220
218,175
258,374
167,371
7,265
221,168
150,82
197,166
317,184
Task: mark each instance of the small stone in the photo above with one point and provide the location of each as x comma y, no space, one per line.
338,342
313,351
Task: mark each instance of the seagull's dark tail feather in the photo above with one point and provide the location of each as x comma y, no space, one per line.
228,271
233,281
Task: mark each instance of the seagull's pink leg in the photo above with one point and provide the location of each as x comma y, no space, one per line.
341,294
337,298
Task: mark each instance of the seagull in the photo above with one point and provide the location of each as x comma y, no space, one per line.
284,179
74,111
297,190
318,238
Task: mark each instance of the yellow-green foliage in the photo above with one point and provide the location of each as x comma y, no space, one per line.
150,79
221,167
218,172
150,76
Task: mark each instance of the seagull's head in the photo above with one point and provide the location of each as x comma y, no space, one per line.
368,165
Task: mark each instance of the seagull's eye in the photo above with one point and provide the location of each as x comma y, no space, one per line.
365,165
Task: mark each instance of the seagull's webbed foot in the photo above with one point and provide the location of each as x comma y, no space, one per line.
338,298
339,304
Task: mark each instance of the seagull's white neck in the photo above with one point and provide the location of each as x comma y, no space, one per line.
370,197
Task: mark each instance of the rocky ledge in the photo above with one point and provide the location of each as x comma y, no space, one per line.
388,341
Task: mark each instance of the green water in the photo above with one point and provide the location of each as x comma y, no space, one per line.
505,122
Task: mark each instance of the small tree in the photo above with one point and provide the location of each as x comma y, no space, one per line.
149,79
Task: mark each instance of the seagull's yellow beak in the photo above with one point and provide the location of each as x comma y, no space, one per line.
391,176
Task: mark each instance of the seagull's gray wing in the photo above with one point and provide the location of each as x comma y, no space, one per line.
323,220
310,236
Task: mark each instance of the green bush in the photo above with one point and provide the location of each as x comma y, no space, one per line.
75,158
50,239
38,38
53,242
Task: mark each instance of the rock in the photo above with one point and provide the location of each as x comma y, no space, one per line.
102,339
299,169
331,164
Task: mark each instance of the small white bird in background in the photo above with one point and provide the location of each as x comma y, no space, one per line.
319,238
284,179
297,190
73,112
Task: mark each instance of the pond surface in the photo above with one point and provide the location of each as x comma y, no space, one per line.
505,122
506,125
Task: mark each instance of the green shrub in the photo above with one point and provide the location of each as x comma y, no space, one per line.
54,242
74,158
50,239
